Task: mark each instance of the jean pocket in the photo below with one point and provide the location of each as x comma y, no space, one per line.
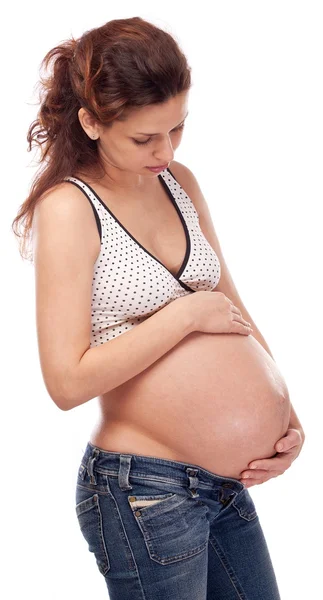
174,527
245,506
90,521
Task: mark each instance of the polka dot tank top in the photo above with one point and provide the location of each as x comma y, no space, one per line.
129,283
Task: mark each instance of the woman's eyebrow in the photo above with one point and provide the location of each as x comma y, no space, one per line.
142,133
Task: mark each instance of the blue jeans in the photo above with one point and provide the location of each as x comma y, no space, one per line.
167,530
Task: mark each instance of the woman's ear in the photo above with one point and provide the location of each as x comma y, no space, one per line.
88,123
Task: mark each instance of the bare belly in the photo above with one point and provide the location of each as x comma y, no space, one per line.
214,400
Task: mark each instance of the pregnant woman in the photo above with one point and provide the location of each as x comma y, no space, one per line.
136,307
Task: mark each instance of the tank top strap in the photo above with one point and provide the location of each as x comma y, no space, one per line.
91,198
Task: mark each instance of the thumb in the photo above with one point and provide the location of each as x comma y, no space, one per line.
287,441
279,447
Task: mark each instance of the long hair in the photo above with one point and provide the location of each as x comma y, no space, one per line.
109,70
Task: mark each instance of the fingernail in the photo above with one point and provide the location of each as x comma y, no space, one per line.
279,447
253,467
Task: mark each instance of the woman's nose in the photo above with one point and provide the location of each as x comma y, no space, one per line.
165,151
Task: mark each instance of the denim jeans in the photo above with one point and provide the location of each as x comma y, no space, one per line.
162,529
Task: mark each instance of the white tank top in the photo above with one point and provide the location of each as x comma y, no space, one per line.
129,283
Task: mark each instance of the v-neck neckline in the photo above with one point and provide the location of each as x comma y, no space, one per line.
187,235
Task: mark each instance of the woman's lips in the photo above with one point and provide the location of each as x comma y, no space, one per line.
157,168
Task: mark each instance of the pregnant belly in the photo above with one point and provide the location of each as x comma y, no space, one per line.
215,400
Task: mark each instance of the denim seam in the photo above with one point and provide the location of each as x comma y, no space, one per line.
139,474
129,545
98,508
227,567
94,488
178,557
178,482
245,515
223,508
174,463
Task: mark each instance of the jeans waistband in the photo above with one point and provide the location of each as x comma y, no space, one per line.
121,465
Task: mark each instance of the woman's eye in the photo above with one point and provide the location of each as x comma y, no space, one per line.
149,140
141,143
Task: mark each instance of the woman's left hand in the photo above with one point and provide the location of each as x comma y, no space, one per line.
266,468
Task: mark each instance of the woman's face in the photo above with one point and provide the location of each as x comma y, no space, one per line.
148,138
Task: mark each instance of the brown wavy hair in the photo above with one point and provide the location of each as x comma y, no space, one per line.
109,70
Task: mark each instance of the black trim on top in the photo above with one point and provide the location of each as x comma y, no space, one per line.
168,169
188,241
98,222
187,235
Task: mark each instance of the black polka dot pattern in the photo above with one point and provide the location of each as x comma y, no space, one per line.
130,284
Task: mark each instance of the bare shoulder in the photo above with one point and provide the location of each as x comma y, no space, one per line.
65,205
62,196
189,183
180,171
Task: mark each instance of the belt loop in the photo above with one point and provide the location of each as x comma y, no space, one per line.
193,481
90,464
124,471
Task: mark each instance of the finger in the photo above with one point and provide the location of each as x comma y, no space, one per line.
272,462
260,474
269,464
290,440
250,482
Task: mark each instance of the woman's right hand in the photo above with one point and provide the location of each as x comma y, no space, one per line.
214,312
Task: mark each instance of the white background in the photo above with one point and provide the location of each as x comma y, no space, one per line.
253,139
